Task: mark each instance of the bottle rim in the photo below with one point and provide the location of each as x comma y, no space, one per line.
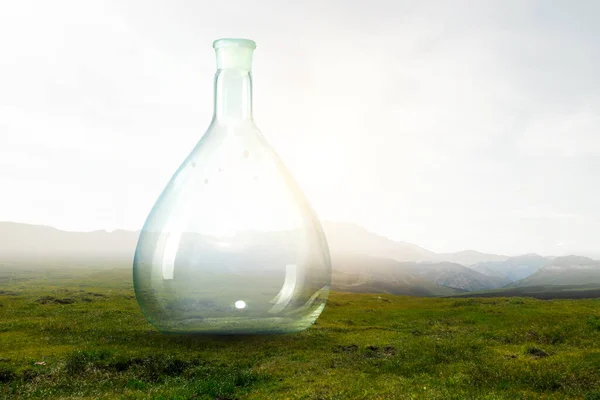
234,42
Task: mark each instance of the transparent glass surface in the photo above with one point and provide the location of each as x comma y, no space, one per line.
232,245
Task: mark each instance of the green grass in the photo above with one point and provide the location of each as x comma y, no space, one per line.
86,330
588,291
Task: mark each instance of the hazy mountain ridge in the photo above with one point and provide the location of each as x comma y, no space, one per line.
360,273
345,237
569,270
514,268
458,276
348,237
362,261
25,242
470,257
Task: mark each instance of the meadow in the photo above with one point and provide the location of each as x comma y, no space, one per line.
78,333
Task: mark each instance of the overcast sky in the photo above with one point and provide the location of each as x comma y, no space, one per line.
452,124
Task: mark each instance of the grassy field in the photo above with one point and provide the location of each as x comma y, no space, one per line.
78,333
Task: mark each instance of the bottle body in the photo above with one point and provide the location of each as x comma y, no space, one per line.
232,245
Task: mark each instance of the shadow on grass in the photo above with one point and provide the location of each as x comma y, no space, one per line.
152,338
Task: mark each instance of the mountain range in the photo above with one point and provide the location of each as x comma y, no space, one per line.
514,268
362,261
344,237
571,270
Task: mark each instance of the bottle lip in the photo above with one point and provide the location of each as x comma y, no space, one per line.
234,42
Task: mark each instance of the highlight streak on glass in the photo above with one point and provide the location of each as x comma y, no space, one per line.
286,293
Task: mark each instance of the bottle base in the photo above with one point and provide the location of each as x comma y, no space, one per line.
234,326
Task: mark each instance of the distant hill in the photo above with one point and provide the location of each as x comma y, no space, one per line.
514,268
419,279
360,274
350,238
457,276
37,243
569,270
469,257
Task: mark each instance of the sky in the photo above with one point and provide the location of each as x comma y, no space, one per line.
449,124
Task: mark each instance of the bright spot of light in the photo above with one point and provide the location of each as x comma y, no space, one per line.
240,304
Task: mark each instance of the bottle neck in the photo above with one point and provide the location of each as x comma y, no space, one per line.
233,95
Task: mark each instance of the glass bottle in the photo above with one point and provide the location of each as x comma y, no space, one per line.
232,245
